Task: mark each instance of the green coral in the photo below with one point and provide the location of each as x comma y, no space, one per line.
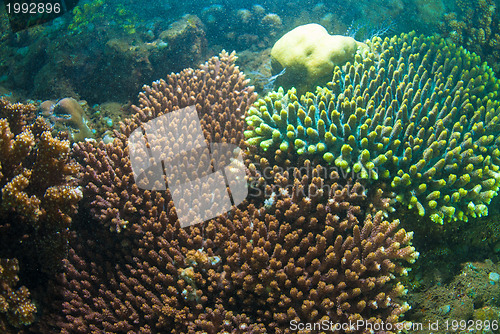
418,112
85,14
97,13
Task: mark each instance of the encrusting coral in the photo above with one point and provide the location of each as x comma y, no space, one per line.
15,305
221,96
316,251
311,255
418,112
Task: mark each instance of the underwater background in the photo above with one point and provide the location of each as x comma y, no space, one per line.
369,140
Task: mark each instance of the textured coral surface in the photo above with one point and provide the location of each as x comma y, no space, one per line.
312,255
36,171
220,94
418,112
414,121
302,247
15,305
38,198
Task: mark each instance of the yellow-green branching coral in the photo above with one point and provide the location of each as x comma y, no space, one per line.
418,113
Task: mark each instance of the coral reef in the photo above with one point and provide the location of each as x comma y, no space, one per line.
221,95
60,62
312,255
15,305
60,59
241,28
308,54
472,294
38,187
18,115
418,112
313,239
475,25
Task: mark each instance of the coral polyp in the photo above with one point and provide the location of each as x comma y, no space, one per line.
418,113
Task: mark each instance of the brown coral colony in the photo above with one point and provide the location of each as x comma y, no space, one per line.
39,195
314,255
305,246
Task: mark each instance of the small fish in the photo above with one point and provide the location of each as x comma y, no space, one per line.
270,81
266,82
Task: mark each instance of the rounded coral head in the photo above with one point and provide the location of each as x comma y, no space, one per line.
417,113
309,54
67,115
